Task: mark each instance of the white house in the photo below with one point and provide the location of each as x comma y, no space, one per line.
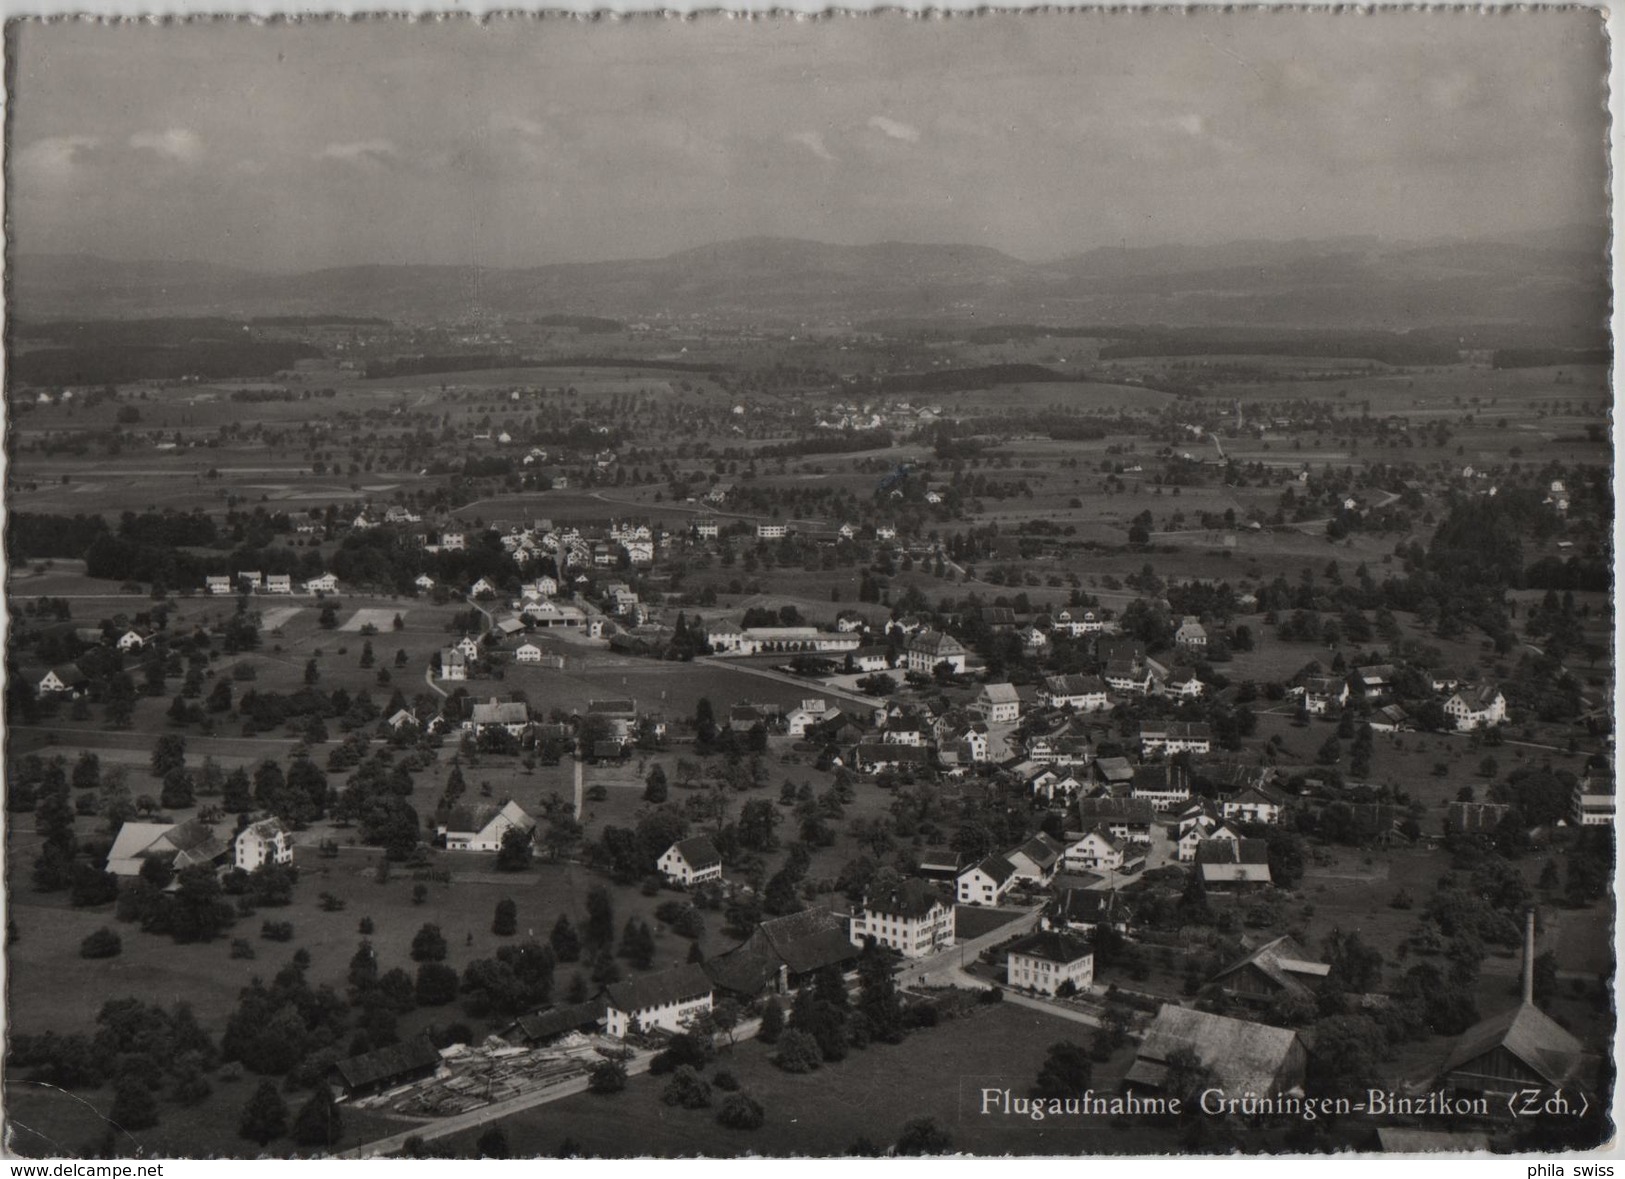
1322,694
929,648
998,704
914,919
808,713
529,653
668,1000
1594,801
217,585
1172,737
279,583
514,716
1082,693
1256,804
424,582
1191,634
987,882
481,828
1477,708
1195,835
265,842
468,647
452,665
482,587
1095,851
1037,859
325,584
771,531
131,640
691,861
1047,960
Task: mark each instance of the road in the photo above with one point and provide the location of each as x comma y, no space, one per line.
428,678
580,793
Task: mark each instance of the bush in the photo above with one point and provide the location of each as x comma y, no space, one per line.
687,1090
277,931
739,1112
725,1081
241,947
104,943
798,1052
608,1077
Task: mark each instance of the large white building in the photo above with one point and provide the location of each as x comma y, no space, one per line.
1049,959
914,919
265,842
691,861
669,1000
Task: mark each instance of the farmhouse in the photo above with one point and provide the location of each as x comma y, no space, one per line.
325,584
1256,804
512,716
480,827
1046,961
1165,785
1476,708
784,952
1094,851
185,845
64,680
1122,818
1593,802
218,585
987,882
669,1000
1175,737
1037,859
998,704
1191,634
1323,694
267,842
915,919
808,714
691,861
528,653
279,583
543,1027
1240,1057
1083,693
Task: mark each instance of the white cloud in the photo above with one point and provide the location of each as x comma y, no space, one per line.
895,129
55,156
177,143
366,151
813,142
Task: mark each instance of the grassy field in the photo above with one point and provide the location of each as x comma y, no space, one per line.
822,1113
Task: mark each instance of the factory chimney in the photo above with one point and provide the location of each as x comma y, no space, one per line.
1529,955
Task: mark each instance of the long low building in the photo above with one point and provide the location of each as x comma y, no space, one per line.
668,1000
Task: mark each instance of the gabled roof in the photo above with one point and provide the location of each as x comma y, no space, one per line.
1242,1056
656,990
1000,694
1040,849
698,852
912,898
1529,1034
474,818
1284,962
1115,810
1052,945
997,868
544,1025
810,940
385,1064
500,713
1087,906
932,642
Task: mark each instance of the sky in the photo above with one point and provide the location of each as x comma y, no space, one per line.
521,141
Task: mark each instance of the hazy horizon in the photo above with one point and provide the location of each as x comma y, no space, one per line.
522,142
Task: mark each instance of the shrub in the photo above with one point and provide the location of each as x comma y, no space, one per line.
687,1089
725,1081
277,931
241,947
798,1052
608,1077
739,1112
104,943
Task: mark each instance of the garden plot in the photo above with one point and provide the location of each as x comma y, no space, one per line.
276,619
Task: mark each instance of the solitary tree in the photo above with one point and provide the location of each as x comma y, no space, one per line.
265,1116
506,920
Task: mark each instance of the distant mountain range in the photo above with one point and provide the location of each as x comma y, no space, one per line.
1558,278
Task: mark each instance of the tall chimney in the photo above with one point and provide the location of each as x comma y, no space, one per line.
1529,955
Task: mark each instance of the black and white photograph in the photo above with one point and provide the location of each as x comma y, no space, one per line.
848,586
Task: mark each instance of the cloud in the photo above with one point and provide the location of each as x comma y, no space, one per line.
895,129
367,152
177,143
813,142
57,155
